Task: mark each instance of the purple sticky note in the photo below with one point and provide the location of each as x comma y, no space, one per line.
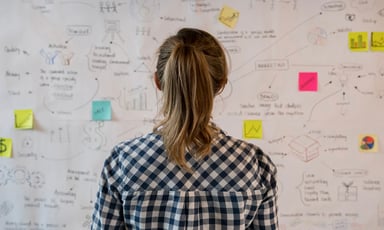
308,81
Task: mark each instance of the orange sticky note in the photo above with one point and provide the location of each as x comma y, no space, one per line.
308,81
229,16
377,41
252,129
358,41
368,143
23,119
5,147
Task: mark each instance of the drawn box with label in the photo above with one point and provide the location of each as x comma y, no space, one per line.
305,147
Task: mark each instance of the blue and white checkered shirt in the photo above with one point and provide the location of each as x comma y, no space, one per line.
232,188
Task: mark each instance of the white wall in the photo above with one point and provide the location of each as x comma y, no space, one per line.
57,56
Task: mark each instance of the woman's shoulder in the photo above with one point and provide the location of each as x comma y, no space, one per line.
142,140
262,159
136,146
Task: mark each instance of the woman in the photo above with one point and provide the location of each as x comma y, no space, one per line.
187,173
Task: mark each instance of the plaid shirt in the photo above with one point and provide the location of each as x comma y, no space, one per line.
233,188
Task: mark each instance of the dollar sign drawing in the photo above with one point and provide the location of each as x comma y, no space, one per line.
3,147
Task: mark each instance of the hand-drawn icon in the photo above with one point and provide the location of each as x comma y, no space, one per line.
94,138
27,143
350,17
112,28
142,68
66,58
305,147
20,175
317,36
3,176
347,192
36,180
381,12
144,10
49,57
87,222
108,7
143,31
5,208
60,135
135,99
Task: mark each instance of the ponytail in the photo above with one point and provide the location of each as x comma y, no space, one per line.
191,70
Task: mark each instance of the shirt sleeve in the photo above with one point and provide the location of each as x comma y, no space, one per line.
266,217
108,210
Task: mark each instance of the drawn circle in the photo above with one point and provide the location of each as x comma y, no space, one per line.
27,142
144,10
36,180
317,36
19,175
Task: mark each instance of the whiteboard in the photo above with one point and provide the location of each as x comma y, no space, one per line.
306,84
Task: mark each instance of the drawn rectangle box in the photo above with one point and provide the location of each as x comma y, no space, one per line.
305,147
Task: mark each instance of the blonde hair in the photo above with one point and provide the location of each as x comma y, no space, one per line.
192,70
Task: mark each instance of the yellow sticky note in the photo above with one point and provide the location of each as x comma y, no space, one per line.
229,16
377,41
368,143
358,41
5,147
252,129
23,119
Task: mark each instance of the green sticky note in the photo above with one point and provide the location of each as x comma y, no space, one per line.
101,110
5,147
252,129
23,119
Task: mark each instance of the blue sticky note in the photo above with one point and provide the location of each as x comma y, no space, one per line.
101,110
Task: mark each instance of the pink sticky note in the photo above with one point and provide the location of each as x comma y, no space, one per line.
308,81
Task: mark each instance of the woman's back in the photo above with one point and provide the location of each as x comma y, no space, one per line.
187,173
232,188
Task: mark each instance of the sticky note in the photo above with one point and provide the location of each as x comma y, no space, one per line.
5,147
368,143
229,16
23,119
308,81
252,129
377,41
358,41
101,110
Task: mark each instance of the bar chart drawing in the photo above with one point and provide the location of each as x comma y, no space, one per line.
134,99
